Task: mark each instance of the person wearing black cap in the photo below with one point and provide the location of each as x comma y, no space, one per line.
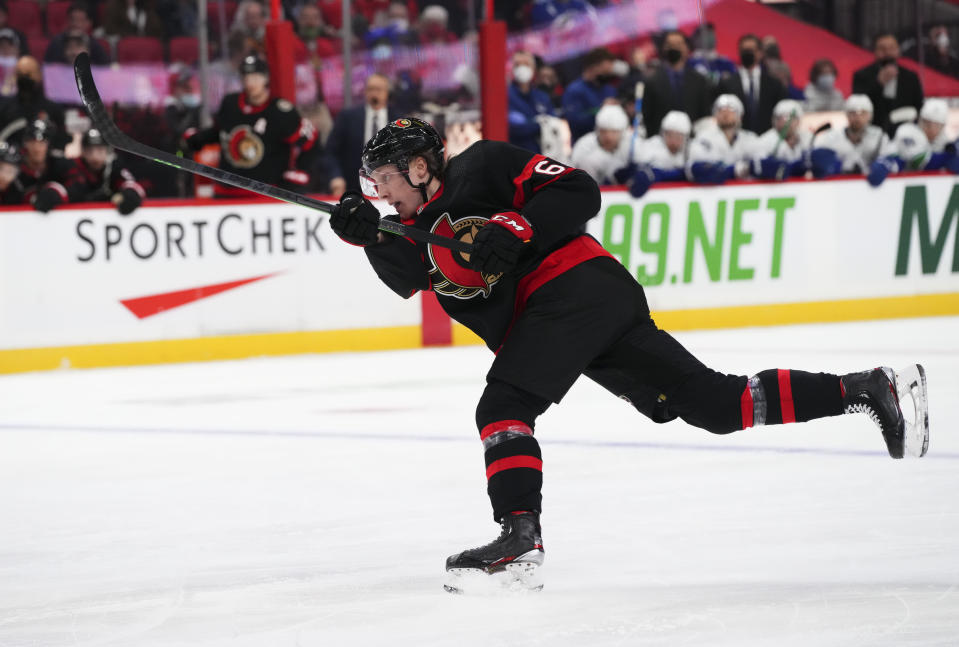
42,173
11,191
98,176
260,137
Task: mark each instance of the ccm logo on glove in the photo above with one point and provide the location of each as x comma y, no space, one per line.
517,223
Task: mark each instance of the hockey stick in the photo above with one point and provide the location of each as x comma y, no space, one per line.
102,122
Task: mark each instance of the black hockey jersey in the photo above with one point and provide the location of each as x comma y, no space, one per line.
86,185
53,175
13,194
259,142
489,178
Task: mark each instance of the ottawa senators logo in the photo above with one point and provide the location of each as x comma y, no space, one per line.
450,275
402,123
243,146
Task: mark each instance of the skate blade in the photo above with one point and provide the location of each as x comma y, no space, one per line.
516,578
911,387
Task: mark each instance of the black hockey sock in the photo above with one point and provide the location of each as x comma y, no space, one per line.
514,467
778,396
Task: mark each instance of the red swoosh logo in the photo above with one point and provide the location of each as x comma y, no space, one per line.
153,304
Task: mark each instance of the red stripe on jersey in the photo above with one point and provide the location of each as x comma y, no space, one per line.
514,462
746,401
519,198
786,396
419,210
505,425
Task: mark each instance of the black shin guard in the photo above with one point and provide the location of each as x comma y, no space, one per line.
779,396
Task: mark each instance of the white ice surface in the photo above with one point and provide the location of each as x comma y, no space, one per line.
312,501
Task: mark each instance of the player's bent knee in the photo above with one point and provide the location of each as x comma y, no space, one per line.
504,402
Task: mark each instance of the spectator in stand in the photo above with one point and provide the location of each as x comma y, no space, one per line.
21,38
586,95
782,151
98,176
547,81
757,89
319,38
723,150
662,158
603,152
821,94
42,174
675,86
889,86
777,67
545,12
250,22
30,104
354,127
179,17
10,46
132,18
181,113
854,148
938,53
526,104
391,27
11,191
705,59
434,26
76,37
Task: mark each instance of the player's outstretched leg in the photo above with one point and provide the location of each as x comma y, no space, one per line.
515,556
877,393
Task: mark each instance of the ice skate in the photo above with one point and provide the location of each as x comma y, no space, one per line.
877,394
510,562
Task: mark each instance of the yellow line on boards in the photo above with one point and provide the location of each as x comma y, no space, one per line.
208,348
372,339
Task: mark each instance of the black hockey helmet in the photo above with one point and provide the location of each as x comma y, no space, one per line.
39,131
253,64
9,154
397,143
92,138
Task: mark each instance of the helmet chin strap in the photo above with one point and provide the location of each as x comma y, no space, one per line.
421,186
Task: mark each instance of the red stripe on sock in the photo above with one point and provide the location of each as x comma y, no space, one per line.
512,462
786,396
746,401
505,425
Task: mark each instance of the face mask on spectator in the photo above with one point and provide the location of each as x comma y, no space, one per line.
942,40
26,87
523,73
672,56
309,33
747,57
825,82
888,60
400,24
190,100
603,79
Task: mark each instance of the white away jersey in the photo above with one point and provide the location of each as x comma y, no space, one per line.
653,152
856,158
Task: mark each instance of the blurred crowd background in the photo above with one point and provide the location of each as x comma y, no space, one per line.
635,91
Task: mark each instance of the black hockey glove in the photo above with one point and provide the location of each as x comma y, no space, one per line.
46,199
355,219
127,200
498,245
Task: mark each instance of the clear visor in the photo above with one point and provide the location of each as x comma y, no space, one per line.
370,182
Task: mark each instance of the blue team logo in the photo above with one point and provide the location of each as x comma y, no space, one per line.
449,274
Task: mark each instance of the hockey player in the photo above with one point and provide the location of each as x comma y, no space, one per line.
43,174
553,304
852,149
783,150
11,192
922,147
662,158
260,137
97,176
722,151
605,150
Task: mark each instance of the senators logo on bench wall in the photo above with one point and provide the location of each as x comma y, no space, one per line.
449,273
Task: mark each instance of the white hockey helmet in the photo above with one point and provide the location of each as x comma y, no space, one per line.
728,102
935,110
912,146
676,121
786,108
858,103
611,117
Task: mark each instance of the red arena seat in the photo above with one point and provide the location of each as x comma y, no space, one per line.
184,49
57,16
139,49
38,46
26,16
